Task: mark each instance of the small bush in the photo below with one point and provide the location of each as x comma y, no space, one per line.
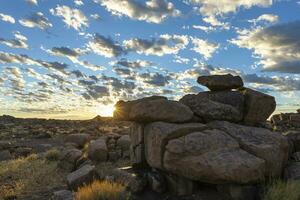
280,190
52,155
101,190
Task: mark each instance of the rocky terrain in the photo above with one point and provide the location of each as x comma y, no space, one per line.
214,145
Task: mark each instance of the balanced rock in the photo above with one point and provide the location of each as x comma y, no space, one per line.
221,82
258,106
213,107
153,109
122,108
270,146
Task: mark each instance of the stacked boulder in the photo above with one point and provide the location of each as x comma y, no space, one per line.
285,121
203,138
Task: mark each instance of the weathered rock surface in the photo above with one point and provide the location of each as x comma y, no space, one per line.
63,195
221,82
68,159
137,147
209,110
292,171
5,155
160,110
258,106
294,139
78,139
97,150
158,134
212,156
83,175
123,108
263,143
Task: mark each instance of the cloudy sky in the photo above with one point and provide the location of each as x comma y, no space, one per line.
76,58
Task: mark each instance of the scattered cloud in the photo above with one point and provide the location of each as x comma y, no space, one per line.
20,41
204,48
78,2
265,18
71,17
152,11
32,2
277,46
206,29
7,18
36,20
155,79
137,64
165,44
105,46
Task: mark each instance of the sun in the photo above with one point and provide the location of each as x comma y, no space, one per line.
105,110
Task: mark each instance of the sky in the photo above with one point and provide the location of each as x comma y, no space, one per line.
74,59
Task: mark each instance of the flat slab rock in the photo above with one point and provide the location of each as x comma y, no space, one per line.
216,153
221,82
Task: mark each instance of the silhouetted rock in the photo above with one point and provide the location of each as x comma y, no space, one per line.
221,82
258,106
97,150
78,139
68,159
82,176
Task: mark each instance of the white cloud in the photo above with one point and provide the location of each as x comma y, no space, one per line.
36,20
165,44
71,17
153,11
266,18
206,29
20,41
277,46
203,47
32,2
7,18
95,16
212,9
79,2
181,60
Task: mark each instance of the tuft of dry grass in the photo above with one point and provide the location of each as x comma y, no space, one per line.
101,190
52,155
280,190
27,175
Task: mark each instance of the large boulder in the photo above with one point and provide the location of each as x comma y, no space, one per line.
158,134
212,156
79,139
122,108
221,82
68,158
258,106
82,176
160,110
207,109
294,139
97,150
270,146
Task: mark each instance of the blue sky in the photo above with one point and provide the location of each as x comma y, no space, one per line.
76,58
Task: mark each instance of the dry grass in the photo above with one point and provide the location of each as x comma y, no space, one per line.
280,190
24,176
52,155
101,190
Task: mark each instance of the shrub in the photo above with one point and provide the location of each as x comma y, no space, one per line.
52,155
101,190
280,190
23,176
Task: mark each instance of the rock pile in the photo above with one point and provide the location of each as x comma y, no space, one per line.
285,121
203,138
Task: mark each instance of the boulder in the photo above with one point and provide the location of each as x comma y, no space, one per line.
212,156
294,139
258,106
68,159
209,110
221,82
81,176
63,195
160,110
124,142
4,145
295,120
78,139
179,186
158,134
137,147
5,155
292,171
122,108
270,146
97,150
